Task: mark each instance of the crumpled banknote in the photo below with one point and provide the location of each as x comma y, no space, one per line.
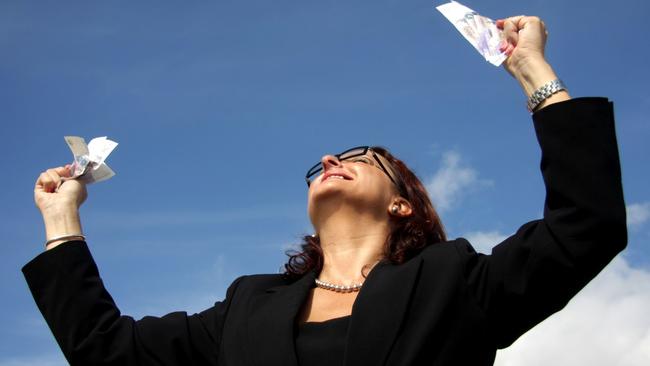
480,31
89,164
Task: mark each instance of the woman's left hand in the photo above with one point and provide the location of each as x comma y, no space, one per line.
525,41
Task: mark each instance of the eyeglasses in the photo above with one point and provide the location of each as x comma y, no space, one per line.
350,154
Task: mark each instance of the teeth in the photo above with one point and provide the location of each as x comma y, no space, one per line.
336,176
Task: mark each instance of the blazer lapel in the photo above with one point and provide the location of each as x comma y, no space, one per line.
378,312
271,323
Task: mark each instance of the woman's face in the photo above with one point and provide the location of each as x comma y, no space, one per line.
358,182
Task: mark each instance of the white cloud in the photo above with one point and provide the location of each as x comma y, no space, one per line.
451,181
606,324
483,241
637,214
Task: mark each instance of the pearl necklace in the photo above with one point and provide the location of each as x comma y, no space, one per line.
338,288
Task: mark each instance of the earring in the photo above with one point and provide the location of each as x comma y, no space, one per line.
394,210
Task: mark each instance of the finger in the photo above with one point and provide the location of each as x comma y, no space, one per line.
64,171
516,20
50,179
535,23
522,21
45,183
510,32
56,178
525,21
55,173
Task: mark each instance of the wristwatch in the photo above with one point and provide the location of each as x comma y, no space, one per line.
544,92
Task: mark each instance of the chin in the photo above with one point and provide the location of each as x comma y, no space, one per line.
322,195
326,198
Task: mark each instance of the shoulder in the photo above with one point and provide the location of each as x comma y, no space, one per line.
448,256
260,282
456,248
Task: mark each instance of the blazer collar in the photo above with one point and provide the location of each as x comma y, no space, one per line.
376,318
379,311
271,322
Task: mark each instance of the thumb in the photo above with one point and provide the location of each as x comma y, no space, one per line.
65,171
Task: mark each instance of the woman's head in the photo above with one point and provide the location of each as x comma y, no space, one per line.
358,180
374,180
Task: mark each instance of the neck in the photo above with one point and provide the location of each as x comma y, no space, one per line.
352,243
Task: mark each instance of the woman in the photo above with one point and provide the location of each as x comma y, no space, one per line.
378,283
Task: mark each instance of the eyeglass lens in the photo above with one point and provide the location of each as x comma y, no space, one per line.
347,154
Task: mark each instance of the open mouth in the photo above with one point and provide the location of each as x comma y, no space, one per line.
335,176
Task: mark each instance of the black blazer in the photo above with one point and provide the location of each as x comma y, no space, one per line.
446,306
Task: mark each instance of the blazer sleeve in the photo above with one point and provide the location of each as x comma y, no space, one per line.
535,272
90,330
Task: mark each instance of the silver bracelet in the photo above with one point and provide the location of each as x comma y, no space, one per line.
65,237
543,93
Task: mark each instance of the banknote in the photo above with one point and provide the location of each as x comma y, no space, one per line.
478,30
89,159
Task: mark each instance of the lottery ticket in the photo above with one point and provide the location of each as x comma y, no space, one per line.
89,159
478,30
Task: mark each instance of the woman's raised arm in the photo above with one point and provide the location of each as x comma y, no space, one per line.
537,270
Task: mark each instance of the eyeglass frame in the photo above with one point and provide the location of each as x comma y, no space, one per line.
319,166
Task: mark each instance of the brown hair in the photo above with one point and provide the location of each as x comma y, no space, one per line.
407,238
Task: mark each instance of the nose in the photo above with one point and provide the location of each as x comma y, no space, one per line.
329,161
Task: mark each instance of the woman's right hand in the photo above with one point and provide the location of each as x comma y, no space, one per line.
59,201
52,193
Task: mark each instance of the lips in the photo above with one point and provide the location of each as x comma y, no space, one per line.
336,175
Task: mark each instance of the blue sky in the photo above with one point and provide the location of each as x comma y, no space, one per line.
221,106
